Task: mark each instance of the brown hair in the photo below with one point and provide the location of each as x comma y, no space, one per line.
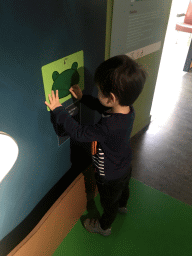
122,76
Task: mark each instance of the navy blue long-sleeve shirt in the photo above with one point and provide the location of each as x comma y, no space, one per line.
112,133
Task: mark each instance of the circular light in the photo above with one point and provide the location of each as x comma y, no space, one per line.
8,154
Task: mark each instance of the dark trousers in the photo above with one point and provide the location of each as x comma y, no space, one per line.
113,194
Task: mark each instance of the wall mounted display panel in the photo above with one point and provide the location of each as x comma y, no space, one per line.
61,75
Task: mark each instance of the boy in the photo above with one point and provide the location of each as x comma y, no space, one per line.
120,81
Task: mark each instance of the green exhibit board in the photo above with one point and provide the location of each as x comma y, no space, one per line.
138,30
62,74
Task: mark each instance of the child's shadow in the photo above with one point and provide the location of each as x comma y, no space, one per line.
90,189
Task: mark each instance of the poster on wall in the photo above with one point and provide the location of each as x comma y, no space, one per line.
137,27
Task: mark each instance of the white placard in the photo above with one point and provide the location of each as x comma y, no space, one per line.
139,53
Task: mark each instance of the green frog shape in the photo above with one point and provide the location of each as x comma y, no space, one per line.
64,81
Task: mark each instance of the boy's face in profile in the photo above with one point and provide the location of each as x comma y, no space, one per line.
104,101
100,96
112,103
99,93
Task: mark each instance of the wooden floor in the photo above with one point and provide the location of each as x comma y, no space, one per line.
162,153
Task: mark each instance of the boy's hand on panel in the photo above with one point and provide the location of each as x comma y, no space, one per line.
54,101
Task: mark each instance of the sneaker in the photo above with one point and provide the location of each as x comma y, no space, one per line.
122,210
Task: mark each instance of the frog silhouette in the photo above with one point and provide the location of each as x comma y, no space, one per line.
63,82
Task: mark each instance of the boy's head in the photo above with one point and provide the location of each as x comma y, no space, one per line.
122,77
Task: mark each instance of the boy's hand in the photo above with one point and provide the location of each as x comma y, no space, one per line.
54,101
76,91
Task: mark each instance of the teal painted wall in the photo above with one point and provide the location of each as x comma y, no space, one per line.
33,34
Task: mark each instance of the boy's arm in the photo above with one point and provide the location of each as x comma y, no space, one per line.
93,103
64,123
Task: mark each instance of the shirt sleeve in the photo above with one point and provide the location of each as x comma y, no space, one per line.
93,103
64,123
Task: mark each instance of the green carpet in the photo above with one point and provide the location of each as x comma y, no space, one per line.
156,225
